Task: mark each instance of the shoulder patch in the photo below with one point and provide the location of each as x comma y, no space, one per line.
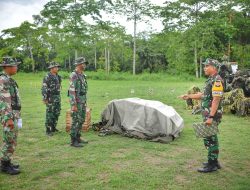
217,89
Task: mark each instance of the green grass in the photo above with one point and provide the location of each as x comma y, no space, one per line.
115,162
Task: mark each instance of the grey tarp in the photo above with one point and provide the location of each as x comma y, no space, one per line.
146,119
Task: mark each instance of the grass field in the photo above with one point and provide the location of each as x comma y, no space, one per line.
115,162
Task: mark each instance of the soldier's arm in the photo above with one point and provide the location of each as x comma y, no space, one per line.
72,89
197,96
45,89
217,93
5,102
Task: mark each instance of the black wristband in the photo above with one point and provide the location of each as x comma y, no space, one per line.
211,117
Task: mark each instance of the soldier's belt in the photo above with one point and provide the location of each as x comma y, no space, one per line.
202,130
82,94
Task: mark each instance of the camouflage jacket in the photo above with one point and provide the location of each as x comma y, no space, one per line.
51,86
78,88
10,103
213,87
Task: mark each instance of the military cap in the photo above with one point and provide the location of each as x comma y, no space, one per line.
212,62
53,64
80,60
9,61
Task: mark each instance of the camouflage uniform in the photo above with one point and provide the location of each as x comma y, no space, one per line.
10,109
78,97
51,92
211,143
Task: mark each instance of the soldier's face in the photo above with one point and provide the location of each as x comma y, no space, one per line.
82,67
209,70
11,70
54,70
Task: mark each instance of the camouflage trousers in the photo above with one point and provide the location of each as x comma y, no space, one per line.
78,119
9,141
53,109
212,145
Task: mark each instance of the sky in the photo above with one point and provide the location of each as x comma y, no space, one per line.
14,12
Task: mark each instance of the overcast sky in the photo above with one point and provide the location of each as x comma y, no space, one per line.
14,12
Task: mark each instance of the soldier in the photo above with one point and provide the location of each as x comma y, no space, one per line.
78,97
211,111
10,107
51,97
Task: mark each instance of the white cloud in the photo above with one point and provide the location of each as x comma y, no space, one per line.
14,12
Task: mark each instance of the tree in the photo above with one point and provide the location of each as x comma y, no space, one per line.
137,11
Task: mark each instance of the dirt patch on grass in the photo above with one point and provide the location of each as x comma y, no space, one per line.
182,180
122,165
156,160
103,177
121,153
66,174
192,164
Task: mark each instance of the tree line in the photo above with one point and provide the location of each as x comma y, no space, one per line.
193,30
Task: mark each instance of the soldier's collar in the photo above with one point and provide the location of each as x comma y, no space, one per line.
6,74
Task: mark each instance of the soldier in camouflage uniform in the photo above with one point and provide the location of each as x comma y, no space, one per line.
211,111
10,107
51,88
78,97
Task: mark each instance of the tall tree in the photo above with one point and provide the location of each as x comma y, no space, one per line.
137,11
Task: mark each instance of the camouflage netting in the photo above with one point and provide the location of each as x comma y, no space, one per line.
193,104
235,102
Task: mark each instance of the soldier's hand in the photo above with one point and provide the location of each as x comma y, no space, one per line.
209,121
74,108
10,123
184,97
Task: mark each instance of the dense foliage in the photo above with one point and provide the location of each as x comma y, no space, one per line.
193,31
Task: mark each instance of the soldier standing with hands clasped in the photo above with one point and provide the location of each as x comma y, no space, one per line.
51,89
211,111
78,98
10,110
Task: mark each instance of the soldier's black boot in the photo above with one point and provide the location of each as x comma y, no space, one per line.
54,129
6,167
205,164
75,143
15,166
79,140
49,132
210,167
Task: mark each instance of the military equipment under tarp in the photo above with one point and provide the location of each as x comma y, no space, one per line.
144,119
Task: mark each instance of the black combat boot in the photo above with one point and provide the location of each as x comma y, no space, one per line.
210,167
15,166
75,143
49,131
205,164
54,129
6,167
79,140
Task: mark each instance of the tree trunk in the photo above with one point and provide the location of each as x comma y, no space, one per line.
200,66
31,55
106,67
95,57
108,61
76,54
195,60
69,63
134,38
